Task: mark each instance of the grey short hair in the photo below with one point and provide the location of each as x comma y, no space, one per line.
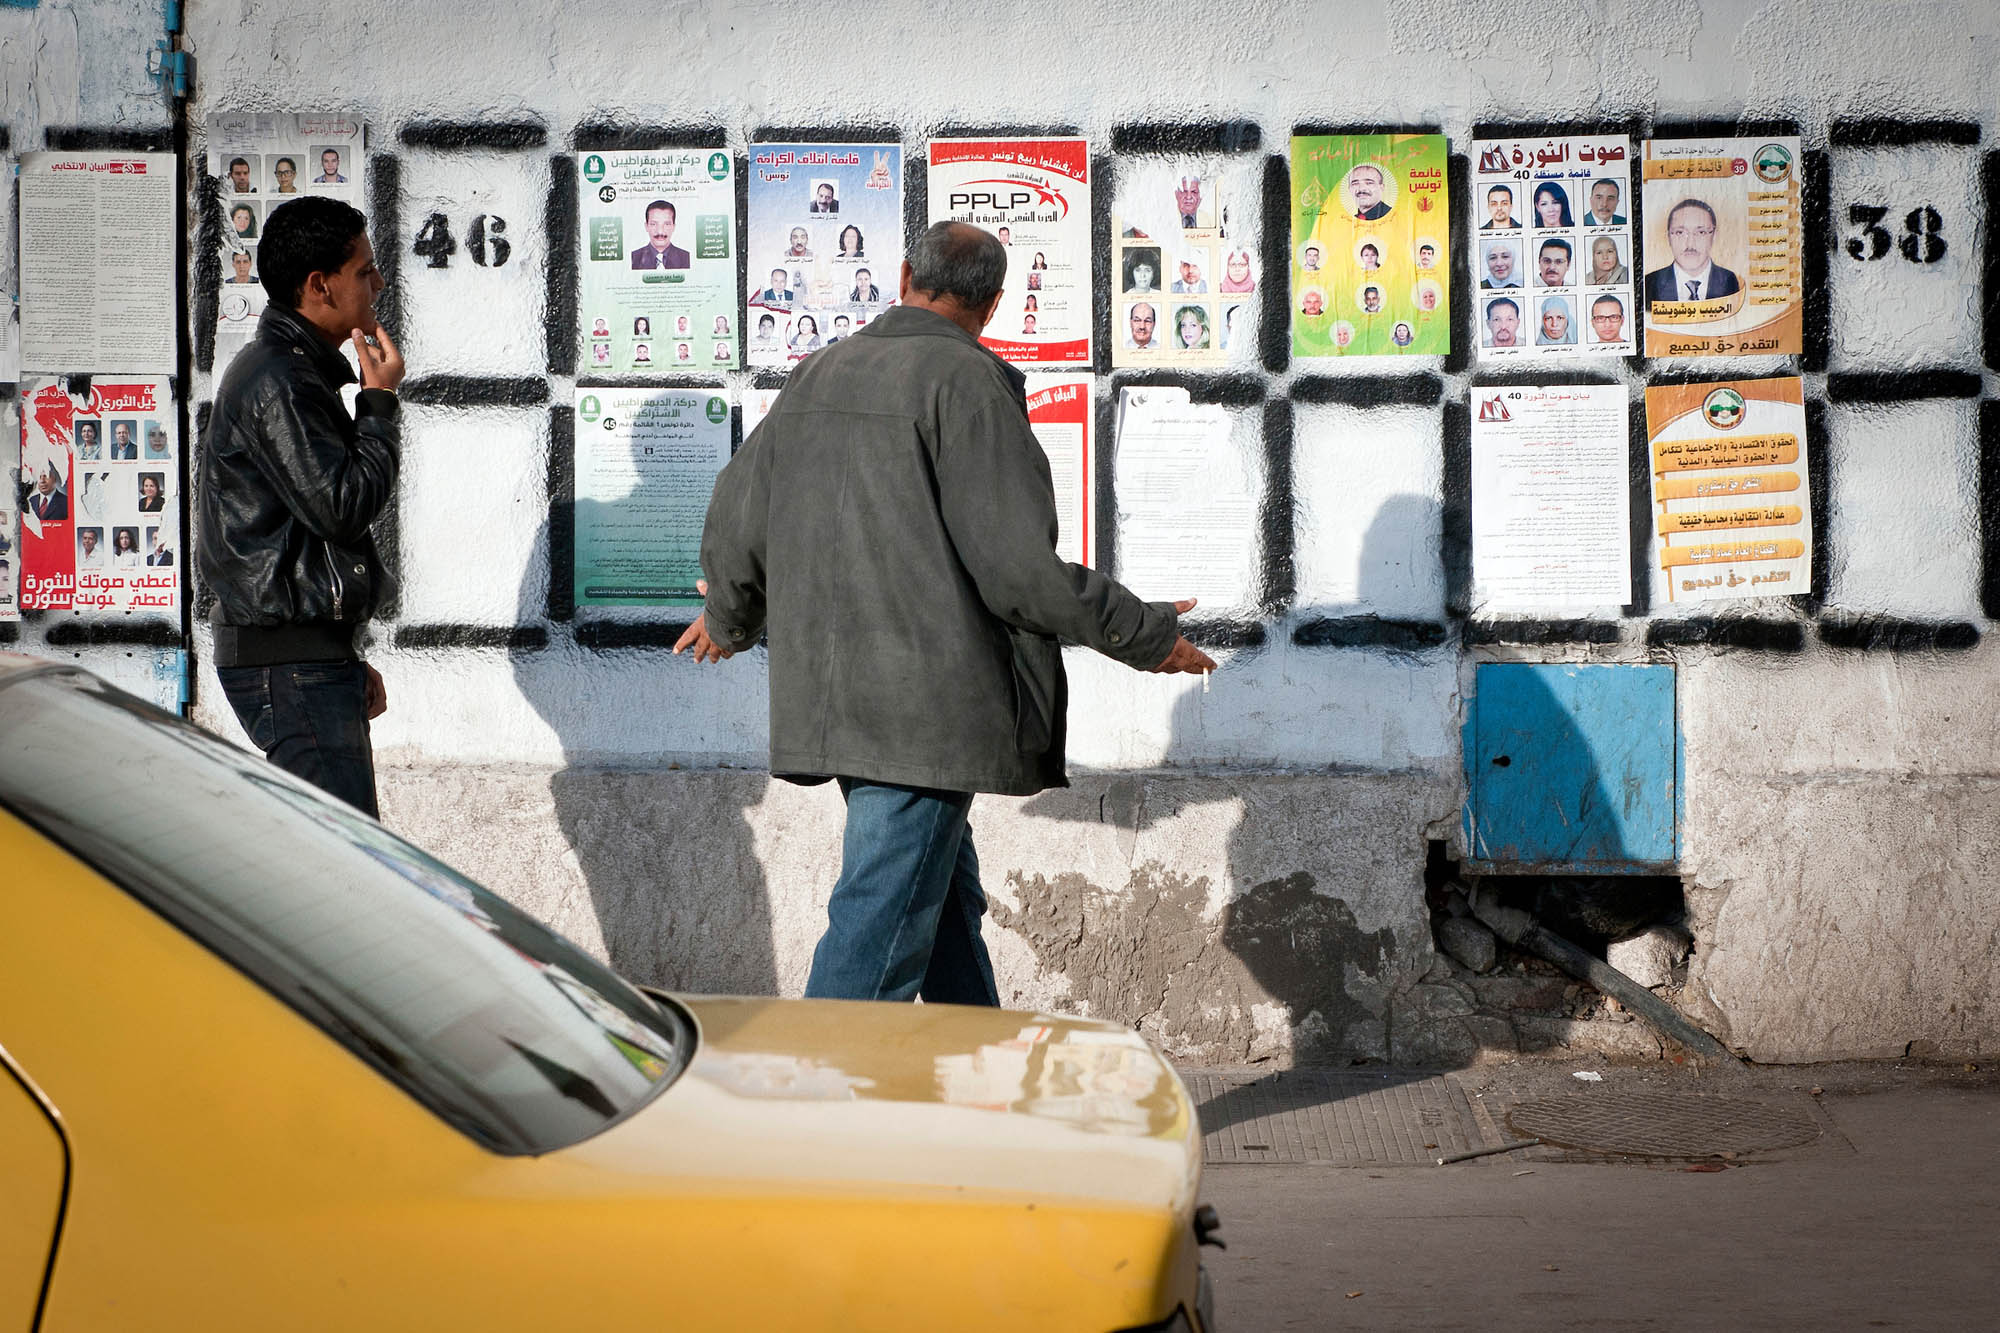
959,260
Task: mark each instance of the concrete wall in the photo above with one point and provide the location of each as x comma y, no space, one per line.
1239,871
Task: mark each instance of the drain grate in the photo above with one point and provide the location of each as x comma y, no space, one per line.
1664,1124
1329,1117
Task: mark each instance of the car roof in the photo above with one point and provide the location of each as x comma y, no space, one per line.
19,666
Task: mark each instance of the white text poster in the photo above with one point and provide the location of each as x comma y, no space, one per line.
1551,516
97,262
1187,503
646,462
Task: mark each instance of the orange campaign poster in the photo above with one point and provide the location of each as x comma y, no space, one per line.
1722,247
1034,194
1730,498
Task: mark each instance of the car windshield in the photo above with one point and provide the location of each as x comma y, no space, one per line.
505,1029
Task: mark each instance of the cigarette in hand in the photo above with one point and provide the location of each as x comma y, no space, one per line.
1204,681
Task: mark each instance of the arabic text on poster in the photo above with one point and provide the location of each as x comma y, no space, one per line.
97,262
1059,412
1371,245
1722,247
1551,518
657,232
826,244
646,463
1187,492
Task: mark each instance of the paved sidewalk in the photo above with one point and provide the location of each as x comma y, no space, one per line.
1888,1218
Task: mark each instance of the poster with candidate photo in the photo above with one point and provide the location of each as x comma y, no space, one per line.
1184,277
100,527
1722,247
646,463
10,521
96,262
1551,247
261,160
1371,245
826,244
1034,194
1730,489
658,236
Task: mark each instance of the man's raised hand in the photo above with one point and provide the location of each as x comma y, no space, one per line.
1184,656
381,363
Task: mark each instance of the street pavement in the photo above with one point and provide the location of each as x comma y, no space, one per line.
1891,1219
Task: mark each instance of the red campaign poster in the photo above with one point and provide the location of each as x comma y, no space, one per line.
1034,194
100,526
1059,408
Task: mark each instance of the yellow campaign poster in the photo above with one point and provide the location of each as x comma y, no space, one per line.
1723,247
1730,488
1371,240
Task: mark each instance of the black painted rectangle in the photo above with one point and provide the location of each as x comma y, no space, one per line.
1187,137
1407,636
513,638
859,133
1639,478
1274,322
970,130
609,136
559,223
603,636
1420,390
1225,388
1464,333
1899,132
1989,269
209,222
1455,514
385,218
477,391
1539,633
1103,186
1819,498
108,139
1897,386
1891,634
1816,313
1989,508
1742,632
562,513
1105,487
1520,375
75,632
1224,633
464,134
1719,128
1630,126
1314,128
1278,520
649,382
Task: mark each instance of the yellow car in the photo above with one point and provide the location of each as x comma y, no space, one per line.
265,1066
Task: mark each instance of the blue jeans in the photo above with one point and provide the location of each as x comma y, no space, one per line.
904,920
310,719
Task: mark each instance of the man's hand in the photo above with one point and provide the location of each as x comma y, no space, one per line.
695,636
1184,656
381,363
378,693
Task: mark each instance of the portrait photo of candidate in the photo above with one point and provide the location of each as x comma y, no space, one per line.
1343,334
851,244
1031,303
1369,256
1427,255
48,500
1041,260
1027,324
1503,322
825,197
1607,261
329,167
90,546
1034,280
124,438
1552,260
1499,209
1370,299
1142,333
242,269
1311,258
243,221
1555,327
1368,191
642,327
1139,271
1403,336
778,293
1312,302
864,291
1238,272
842,326
1006,235
1692,234
1229,326
721,352
1191,332
659,251
152,492
798,244
600,354
1191,274
89,441
1607,319
681,326
158,550
767,330
1429,295
1501,262
1551,205
1605,198
156,443
805,335
721,329
284,175
242,172
125,548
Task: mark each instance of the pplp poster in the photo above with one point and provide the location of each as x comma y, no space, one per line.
1371,245
99,530
1059,412
646,463
1034,194
1730,488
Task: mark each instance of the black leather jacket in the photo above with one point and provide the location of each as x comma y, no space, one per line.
289,484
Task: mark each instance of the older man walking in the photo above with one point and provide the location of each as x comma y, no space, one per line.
893,523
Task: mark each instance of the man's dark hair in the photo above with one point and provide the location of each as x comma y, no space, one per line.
1557,242
1713,221
1507,190
1507,301
959,260
306,236
236,162
1607,297
672,212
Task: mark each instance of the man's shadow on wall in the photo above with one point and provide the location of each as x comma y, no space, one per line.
668,855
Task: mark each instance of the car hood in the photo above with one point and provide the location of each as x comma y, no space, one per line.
926,1097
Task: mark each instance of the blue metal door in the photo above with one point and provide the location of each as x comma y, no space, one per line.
1573,769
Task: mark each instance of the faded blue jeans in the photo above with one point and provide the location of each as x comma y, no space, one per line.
310,719
904,919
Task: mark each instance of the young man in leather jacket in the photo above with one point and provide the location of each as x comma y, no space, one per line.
288,487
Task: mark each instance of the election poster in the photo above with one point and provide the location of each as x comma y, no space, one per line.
1183,272
1059,413
1371,245
646,462
261,160
97,262
826,244
658,234
1188,490
1730,488
1551,515
100,528
1551,247
1723,247
1034,194
10,520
